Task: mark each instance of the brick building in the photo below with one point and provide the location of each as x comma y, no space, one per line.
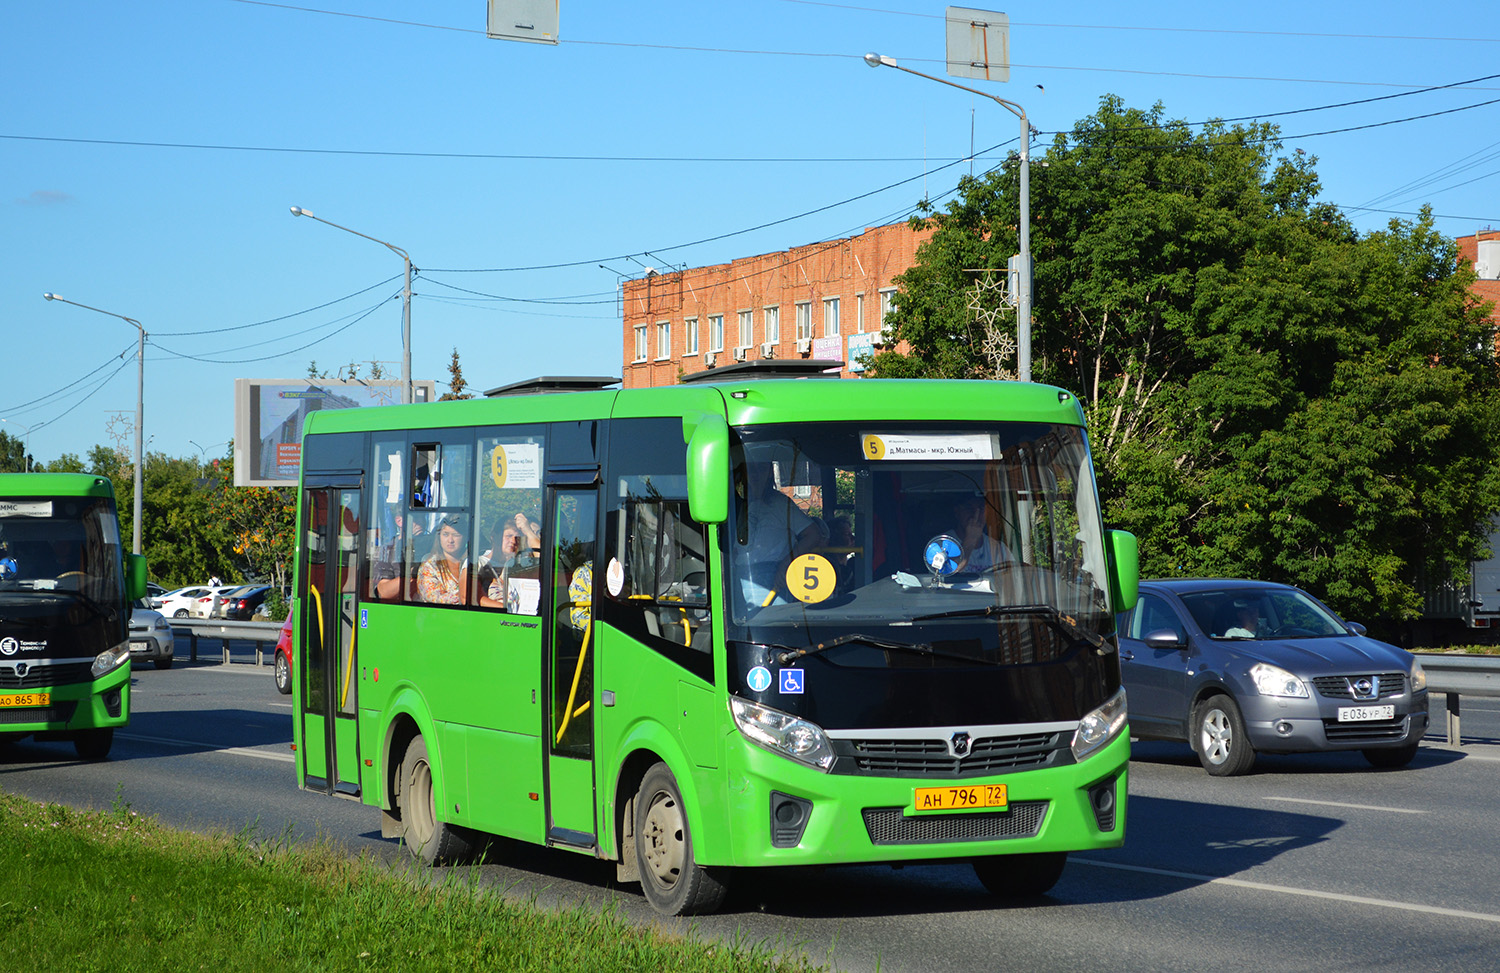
825,300
1483,251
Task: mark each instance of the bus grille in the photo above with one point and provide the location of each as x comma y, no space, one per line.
42,674
59,713
889,826
1337,687
1374,732
930,758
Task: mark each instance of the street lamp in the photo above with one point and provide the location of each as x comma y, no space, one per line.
1023,297
406,396
204,449
140,395
25,444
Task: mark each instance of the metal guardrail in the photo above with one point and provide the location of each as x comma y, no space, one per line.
1456,676
263,634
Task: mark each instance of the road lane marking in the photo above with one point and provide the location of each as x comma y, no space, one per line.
1293,890
1357,807
194,745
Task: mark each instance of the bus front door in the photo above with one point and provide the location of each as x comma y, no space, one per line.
570,719
325,675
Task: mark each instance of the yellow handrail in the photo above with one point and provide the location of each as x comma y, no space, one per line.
583,651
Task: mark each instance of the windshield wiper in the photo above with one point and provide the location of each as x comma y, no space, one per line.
1052,615
919,648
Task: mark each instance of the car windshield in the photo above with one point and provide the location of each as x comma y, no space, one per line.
68,545
881,544
1261,613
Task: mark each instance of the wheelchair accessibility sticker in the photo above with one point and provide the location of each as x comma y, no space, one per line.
364,618
791,680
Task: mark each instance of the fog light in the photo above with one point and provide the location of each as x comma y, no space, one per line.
1284,728
789,817
1102,800
112,702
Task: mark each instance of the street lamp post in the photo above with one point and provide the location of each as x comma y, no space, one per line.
204,449
406,394
1023,288
140,396
25,444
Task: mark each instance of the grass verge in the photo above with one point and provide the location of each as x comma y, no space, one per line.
110,890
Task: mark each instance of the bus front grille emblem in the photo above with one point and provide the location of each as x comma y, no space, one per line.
958,745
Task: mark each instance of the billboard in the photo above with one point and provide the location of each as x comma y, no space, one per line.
269,412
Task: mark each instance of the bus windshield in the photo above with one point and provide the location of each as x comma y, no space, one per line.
52,546
916,545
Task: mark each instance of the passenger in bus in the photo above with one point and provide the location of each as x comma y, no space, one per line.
443,578
981,552
515,544
779,532
386,571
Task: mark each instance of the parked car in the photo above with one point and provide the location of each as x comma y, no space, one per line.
179,603
241,605
284,657
1239,667
151,636
210,603
154,590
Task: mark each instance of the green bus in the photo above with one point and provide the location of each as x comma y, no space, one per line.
66,588
758,621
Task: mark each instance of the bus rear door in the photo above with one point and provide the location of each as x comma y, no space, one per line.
573,512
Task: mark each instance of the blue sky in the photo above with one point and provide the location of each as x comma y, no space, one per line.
150,153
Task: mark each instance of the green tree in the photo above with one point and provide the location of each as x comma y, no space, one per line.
1269,394
258,524
456,383
12,453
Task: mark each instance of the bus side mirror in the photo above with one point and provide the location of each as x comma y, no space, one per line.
708,470
135,576
1124,570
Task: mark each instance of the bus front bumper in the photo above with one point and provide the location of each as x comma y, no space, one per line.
780,812
97,704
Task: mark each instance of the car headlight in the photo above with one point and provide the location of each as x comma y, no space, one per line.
110,659
782,733
1418,677
1100,726
1275,681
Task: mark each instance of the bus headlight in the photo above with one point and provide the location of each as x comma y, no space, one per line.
1099,727
110,659
783,733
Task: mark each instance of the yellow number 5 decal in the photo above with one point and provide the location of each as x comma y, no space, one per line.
810,578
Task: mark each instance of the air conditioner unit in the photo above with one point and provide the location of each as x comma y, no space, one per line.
768,349
880,338
709,359
804,345
739,354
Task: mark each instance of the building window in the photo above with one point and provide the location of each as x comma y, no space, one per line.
804,320
830,317
747,329
691,327
640,342
859,313
663,340
887,303
771,318
716,332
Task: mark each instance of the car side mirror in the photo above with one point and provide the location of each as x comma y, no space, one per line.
1165,638
1355,628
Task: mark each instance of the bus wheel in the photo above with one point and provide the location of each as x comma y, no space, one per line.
1021,876
93,744
431,840
673,882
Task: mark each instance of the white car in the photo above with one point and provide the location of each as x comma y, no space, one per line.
179,603
210,604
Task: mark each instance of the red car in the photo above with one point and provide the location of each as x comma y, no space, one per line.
284,657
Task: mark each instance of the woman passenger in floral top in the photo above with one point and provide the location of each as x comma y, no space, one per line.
444,576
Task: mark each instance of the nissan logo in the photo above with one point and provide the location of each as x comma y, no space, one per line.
1365,687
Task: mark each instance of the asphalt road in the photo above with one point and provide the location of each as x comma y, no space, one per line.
1311,863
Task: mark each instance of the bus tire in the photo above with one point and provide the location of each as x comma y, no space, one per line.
93,744
673,882
1219,737
429,839
1020,876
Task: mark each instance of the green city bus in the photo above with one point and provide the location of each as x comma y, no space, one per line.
753,621
66,588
